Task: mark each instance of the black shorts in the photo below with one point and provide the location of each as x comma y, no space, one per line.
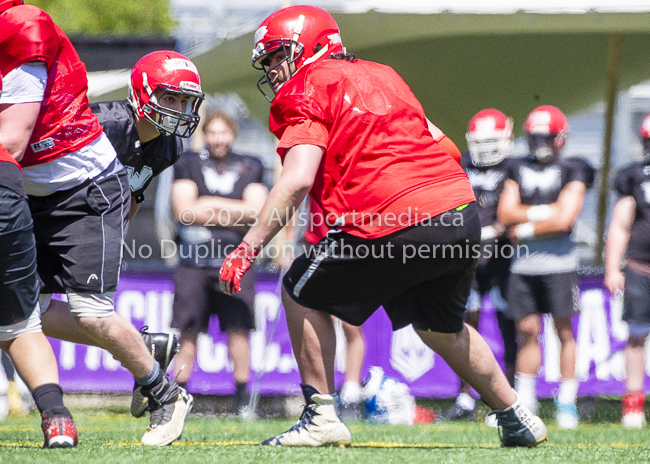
421,275
19,282
557,294
80,232
636,300
197,297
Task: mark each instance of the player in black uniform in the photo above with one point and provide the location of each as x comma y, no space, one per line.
145,130
489,138
629,230
215,195
542,198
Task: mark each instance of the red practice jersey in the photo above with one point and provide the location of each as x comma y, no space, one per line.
65,123
5,157
382,170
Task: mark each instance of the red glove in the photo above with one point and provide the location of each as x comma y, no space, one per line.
235,266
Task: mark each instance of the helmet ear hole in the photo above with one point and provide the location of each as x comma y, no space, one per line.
317,48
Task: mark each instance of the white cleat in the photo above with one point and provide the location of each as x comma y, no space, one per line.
633,420
567,416
167,415
319,425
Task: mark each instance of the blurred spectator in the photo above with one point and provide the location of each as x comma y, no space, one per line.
629,230
541,200
489,138
216,194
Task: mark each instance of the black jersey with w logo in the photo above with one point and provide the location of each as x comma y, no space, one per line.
143,162
634,180
541,184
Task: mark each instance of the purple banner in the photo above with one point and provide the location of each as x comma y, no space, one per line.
147,300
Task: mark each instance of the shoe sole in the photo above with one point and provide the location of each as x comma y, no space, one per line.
61,442
541,440
139,403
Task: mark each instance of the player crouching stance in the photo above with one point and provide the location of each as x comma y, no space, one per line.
353,135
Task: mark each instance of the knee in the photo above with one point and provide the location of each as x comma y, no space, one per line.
528,331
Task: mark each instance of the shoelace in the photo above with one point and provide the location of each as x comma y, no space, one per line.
305,419
158,412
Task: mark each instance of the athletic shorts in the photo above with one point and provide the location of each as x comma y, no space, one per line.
557,294
636,300
421,275
487,282
197,297
19,282
79,234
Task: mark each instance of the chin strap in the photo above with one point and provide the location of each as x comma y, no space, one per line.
296,34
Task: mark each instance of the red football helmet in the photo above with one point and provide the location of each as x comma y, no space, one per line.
166,72
645,135
306,33
6,4
546,129
489,137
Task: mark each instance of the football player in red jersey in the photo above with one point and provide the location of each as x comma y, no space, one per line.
541,201
79,197
628,237
21,336
354,137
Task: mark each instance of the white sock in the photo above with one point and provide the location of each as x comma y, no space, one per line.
526,388
466,402
568,391
350,392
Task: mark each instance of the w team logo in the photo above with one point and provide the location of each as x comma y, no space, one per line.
546,181
223,184
137,180
488,180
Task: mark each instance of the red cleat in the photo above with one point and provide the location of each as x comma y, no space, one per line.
59,430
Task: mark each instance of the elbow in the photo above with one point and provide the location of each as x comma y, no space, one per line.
564,225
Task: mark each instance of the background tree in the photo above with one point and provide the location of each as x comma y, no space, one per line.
109,17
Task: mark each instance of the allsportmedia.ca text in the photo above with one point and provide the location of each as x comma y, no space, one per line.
250,217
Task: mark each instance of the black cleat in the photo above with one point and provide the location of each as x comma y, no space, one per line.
163,347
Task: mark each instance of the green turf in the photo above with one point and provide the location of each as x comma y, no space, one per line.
114,437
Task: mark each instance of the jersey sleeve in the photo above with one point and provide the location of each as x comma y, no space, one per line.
581,171
32,36
182,167
624,182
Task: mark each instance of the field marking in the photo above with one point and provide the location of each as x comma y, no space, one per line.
371,444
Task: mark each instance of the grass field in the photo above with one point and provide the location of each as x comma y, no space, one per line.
114,437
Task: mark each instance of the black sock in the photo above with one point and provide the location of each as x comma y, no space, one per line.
240,388
151,386
50,397
308,391
183,385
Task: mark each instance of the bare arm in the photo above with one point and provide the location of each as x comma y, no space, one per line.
618,236
566,210
510,211
135,207
208,210
17,121
298,173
